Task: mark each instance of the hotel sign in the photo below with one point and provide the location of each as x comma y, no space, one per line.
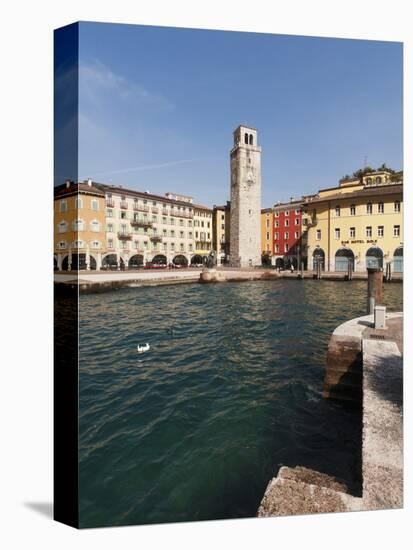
360,241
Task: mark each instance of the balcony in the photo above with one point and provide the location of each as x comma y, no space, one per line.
124,205
124,236
156,238
110,203
165,212
141,207
141,223
155,210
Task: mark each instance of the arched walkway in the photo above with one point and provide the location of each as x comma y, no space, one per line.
318,258
136,261
374,257
344,258
159,259
398,260
197,260
110,262
180,260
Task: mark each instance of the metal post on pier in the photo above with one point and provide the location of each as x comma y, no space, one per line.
374,288
302,269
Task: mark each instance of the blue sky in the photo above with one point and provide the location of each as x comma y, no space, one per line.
157,108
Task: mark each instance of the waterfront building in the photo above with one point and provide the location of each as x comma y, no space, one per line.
202,233
79,226
245,224
221,232
289,245
359,222
111,227
267,232
142,227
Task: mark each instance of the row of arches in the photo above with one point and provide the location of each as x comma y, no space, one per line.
345,257
111,261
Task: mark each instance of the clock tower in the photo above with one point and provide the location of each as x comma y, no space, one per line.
245,224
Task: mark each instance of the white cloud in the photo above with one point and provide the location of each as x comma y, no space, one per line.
97,82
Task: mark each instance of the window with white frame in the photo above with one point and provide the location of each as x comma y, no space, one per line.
297,210
109,213
286,235
276,235
396,230
62,227
337,233
369,208
369,231
397,206
78,225
380,207
78,244
380,231
267,236
110,228
287,223
297,221
318,234
95,204
277,223
63,206
296,234
287,213
353,210
95,226
95,244
78,203
352,232
110,243
62,244
286,247
338,211
277,247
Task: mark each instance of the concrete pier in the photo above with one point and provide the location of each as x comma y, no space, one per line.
97,281
364,364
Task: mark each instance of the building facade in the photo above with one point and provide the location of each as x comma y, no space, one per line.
245,225
289,248
267,234
203,227
221,222
359,222
79,226
99,226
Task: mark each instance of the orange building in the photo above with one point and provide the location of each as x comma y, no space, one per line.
79,226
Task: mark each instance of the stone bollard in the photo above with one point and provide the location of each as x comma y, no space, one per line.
380,317
374,288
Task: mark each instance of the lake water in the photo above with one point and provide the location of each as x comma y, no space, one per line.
230,390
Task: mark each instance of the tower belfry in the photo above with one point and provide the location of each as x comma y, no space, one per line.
245,224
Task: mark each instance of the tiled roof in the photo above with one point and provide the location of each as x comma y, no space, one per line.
75,188
378,191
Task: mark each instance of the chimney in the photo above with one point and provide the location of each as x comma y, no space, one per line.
89,182
67,184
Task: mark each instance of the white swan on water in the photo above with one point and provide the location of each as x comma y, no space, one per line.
141,349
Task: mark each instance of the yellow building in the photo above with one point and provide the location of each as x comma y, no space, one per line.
79,220
267,231
202,232
358,222
221,232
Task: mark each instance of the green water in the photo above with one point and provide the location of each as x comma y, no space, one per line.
230,390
